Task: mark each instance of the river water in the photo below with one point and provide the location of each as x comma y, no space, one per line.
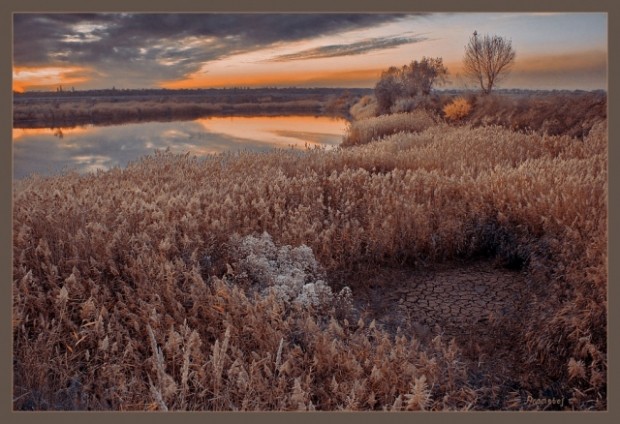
90,148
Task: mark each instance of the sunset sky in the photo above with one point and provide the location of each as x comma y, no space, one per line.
554,50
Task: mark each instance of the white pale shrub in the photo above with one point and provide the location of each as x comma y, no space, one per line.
291,273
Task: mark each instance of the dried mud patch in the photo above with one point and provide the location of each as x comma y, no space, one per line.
455,299
483,306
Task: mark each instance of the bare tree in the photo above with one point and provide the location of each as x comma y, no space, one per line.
487,58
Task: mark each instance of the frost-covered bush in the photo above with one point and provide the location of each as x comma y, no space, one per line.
291,273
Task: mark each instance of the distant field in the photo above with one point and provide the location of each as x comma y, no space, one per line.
66,109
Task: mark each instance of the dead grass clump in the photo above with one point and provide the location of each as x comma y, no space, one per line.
369,129
366,107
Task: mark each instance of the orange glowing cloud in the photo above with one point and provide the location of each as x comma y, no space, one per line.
48,77
340,78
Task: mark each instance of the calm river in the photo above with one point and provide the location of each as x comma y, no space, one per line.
89,148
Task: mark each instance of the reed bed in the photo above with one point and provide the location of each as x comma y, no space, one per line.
366,130
181,283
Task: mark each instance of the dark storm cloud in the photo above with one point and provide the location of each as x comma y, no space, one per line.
36,36
149,47
359,47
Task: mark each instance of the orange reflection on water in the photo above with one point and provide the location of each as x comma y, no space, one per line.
277,131
19,133
88,148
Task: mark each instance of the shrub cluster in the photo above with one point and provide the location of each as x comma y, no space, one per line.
414,80
458,109
552,113
290,274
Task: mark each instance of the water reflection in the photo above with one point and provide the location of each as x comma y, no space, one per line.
86,149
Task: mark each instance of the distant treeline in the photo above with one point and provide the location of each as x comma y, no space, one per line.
220,94
112,106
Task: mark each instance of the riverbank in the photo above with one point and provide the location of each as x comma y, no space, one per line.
106,107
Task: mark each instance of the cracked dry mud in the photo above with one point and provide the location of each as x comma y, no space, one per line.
457,300
482,306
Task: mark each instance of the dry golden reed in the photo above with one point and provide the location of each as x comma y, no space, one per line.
369,129
133,288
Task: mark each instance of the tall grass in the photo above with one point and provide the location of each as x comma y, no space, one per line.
366,107
366,130
143,288
572,114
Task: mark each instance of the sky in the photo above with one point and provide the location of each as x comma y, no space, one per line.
142,50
